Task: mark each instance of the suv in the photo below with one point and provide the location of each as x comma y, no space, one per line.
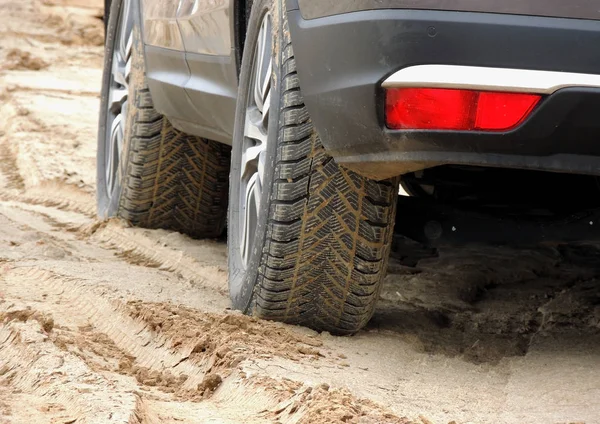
291,124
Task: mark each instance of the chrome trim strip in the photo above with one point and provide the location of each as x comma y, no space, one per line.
489,79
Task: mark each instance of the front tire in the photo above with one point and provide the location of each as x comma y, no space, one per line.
149,173
320,234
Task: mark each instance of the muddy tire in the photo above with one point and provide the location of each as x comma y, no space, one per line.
323,233
162,178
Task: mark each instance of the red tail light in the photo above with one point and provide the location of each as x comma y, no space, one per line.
460,110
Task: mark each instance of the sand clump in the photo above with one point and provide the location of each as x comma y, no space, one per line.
19,60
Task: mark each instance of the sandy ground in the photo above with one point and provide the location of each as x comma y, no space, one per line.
101,323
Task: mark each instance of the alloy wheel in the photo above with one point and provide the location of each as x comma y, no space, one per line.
118,95
254,148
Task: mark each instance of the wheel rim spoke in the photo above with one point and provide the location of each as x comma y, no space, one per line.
254,147
262,77
114,152
267,107
250,158
254,128
116,99
118,96
252,196
125,41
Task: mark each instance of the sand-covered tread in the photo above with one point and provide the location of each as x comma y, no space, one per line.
329,232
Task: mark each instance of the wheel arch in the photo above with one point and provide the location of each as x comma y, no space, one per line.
241,14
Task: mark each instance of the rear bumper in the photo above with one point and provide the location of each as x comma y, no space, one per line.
343,60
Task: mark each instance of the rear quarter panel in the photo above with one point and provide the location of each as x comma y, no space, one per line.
159,18
205,26
196,26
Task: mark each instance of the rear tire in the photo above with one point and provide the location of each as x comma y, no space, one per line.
323,233
163,178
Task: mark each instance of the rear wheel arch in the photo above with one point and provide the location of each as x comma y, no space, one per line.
241,14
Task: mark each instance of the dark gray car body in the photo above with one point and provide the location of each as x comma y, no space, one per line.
582,9
346,48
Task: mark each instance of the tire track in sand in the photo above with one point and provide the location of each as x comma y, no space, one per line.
56,195
8,155
202,262
75,304
72,304
205,267
33,364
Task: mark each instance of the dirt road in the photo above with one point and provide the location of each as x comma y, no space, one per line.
101,323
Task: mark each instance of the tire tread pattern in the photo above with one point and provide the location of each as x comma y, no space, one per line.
329,230
171,180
